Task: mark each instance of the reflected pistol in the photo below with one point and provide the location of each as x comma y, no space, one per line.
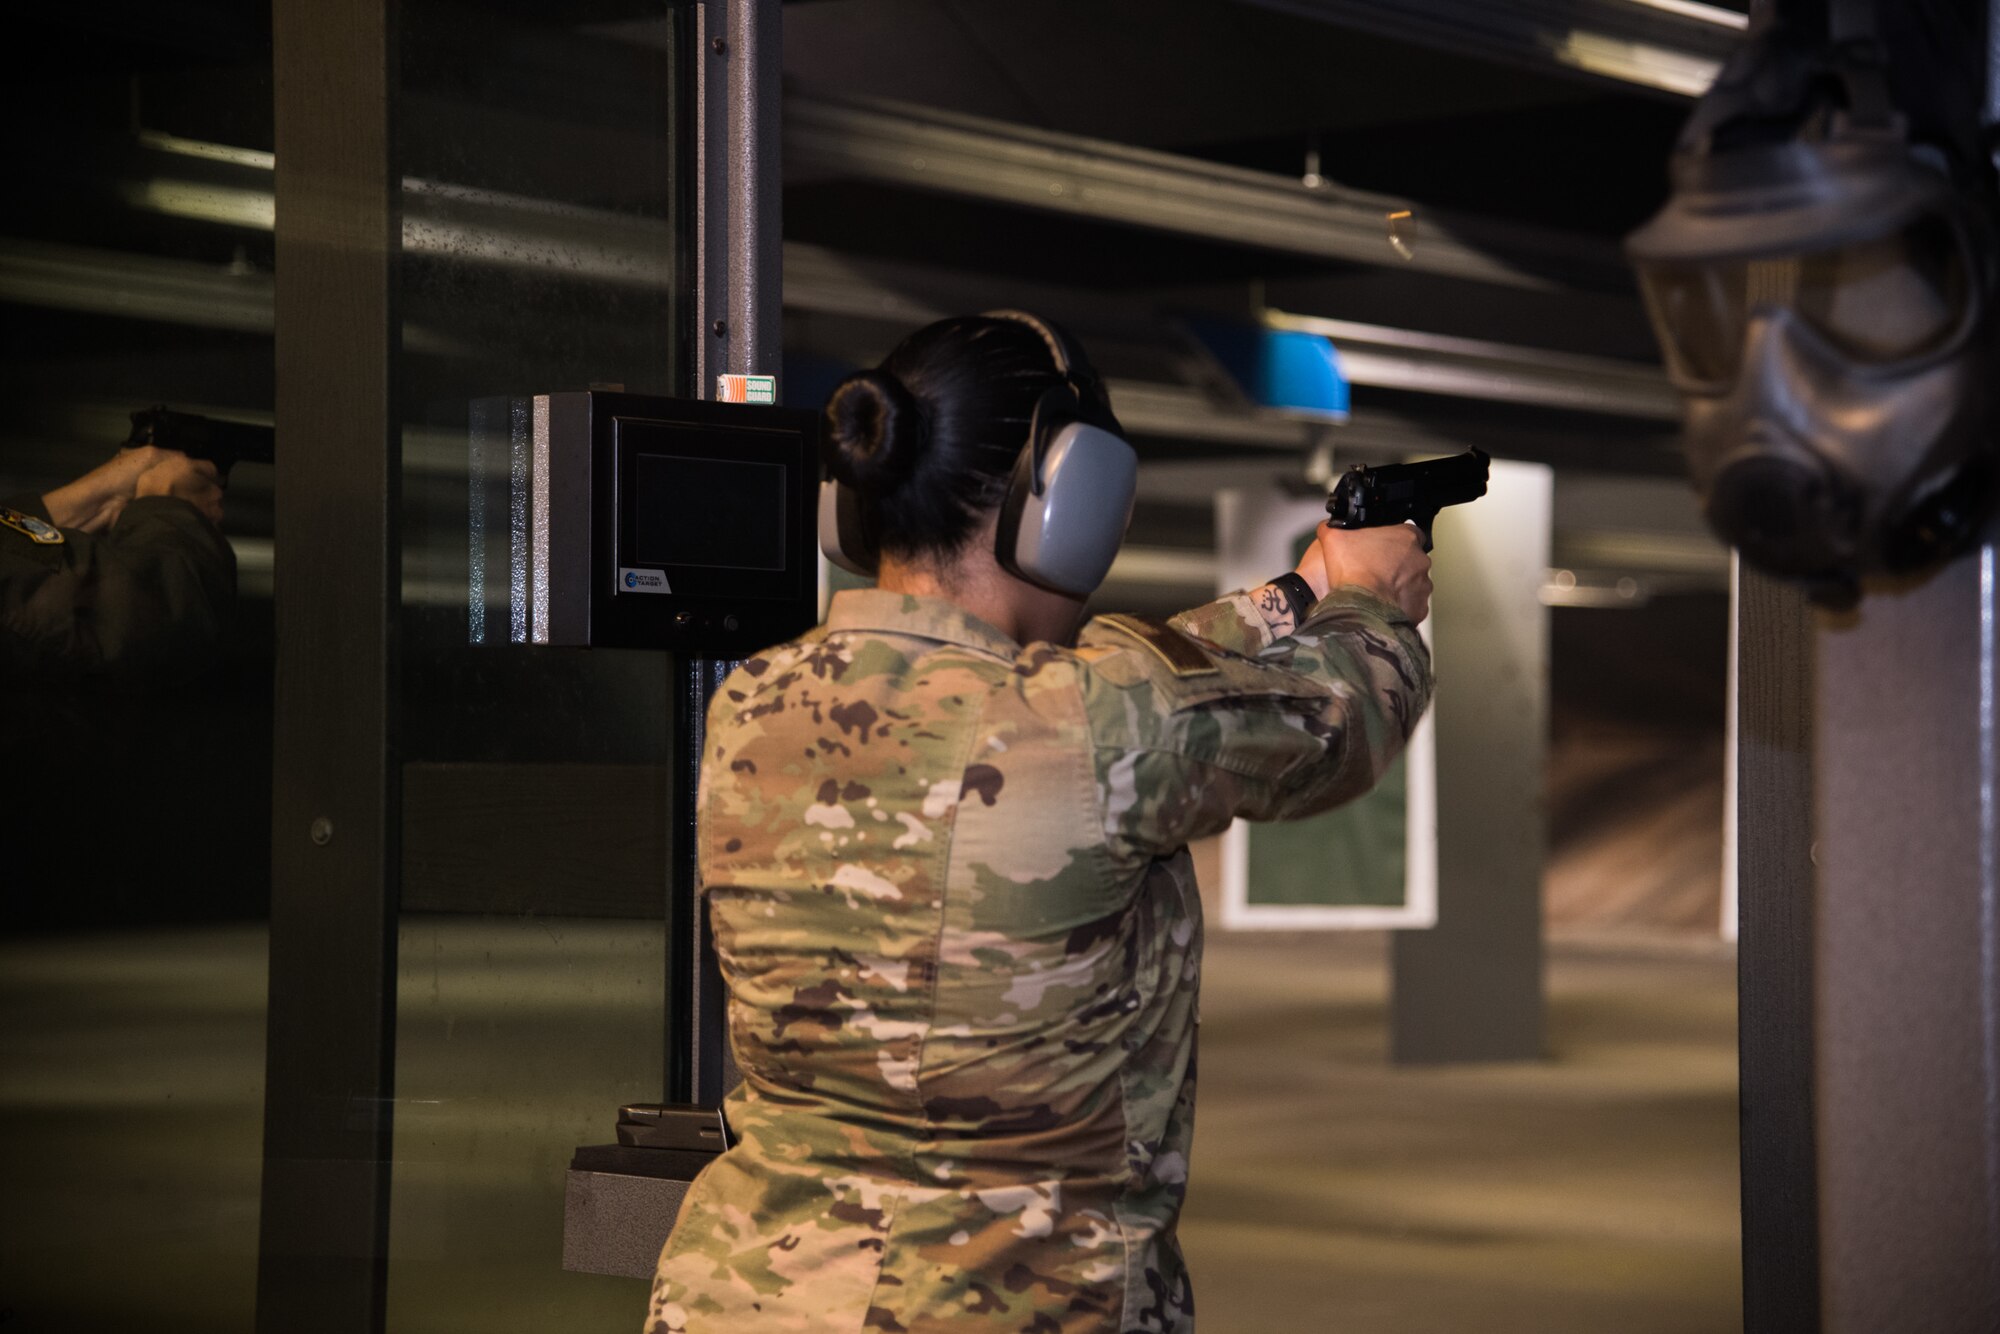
225,444
1406,492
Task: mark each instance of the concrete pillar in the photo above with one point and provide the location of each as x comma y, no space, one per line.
1908,1033
1470,988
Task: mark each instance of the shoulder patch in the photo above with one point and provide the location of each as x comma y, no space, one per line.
39,531
1169,645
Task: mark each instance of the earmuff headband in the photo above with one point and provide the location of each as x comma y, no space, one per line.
1059,347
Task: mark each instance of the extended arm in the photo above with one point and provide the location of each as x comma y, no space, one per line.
148,596
1217,714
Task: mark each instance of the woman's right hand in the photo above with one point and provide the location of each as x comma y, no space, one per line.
1388,562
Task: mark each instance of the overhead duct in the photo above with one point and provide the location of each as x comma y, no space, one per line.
1670,46
944,152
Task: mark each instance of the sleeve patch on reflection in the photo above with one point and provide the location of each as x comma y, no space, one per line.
39,531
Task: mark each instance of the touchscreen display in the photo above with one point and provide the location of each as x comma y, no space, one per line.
720,513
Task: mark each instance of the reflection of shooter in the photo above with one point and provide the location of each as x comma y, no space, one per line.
120,575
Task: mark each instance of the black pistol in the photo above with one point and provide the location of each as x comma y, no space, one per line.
225,444
1406,492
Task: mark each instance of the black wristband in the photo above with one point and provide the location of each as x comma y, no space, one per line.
1297,592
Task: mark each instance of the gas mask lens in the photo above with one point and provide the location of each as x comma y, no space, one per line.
1877,303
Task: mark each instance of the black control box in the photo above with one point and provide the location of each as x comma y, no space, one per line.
630,521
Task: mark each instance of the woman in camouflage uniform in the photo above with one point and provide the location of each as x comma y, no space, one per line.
943,842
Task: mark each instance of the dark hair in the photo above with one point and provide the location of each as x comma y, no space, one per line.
929,438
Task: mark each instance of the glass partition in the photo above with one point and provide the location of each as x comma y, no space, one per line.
544,250
136,269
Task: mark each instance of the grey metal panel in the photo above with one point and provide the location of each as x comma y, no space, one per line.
614,1223
1776,887
540,524
944,152
1470,988
1909,939
564,521
330,1041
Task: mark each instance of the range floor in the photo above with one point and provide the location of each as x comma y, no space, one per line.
1593,1191
1590,1192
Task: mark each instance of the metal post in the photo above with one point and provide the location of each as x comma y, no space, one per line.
700,1067
738,300
739,248
1774,960
323,1244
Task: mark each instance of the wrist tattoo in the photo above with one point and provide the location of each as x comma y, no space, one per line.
1275,608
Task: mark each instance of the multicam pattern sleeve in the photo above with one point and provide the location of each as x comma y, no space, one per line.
1265,728
962,946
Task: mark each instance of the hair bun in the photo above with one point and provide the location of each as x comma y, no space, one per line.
877,432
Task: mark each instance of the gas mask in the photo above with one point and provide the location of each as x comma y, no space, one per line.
1821,289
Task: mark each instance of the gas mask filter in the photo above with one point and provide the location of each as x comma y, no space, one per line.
1823,303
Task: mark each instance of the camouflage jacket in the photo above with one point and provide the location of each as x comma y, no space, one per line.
959,928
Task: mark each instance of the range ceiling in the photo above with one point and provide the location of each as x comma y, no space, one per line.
1246,84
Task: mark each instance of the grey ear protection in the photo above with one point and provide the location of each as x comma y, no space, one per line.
1069,499
841,532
